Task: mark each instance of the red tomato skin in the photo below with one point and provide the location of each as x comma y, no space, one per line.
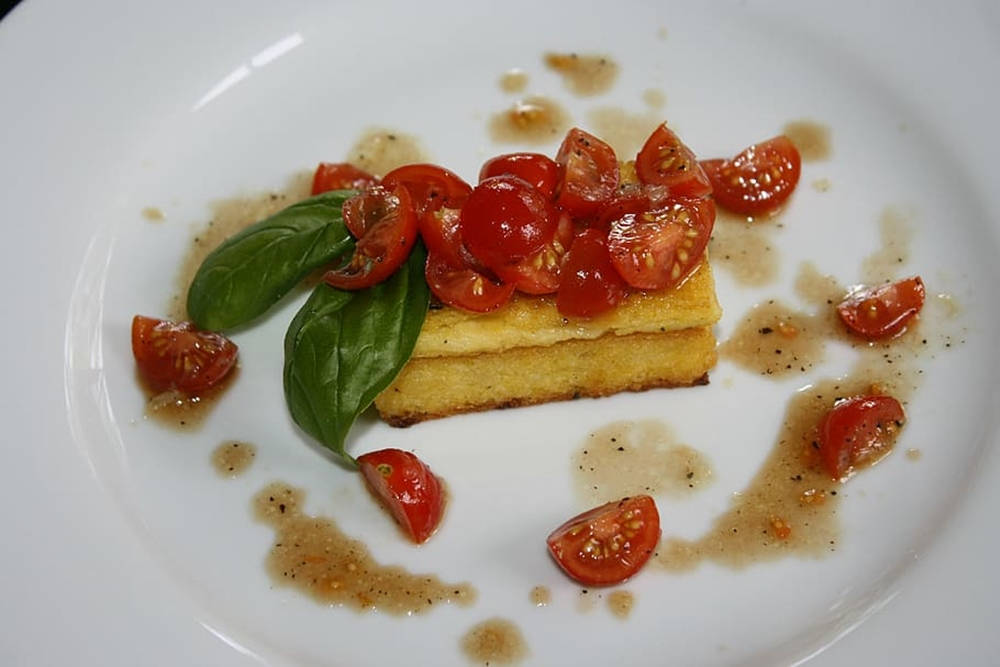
571,544
430,186
463,287
539,170
505,220
366,208
589,283
176,355
759,180
856,430
665,160
340,176
588,173
383,247
883,311
539,272
407,487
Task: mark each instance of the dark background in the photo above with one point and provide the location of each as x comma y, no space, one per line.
6,6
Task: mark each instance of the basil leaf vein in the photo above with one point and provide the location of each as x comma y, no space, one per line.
252,270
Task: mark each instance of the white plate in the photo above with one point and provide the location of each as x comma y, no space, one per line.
124,548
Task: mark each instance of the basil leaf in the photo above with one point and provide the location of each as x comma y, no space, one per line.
343,348
252,270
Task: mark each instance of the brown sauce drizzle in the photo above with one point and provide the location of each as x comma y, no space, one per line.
775,340
623,131
312,555
821,185
811,138
379,151
514,81
541,596
533,120
153,214
654,98
180,411
745,249
913,454
620,603
496,641
896,234
628,458
232,458
584,75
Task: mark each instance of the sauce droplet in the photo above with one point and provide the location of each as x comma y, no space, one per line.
534,120
379,151
232,458
496,641
584,74
513,81
811,138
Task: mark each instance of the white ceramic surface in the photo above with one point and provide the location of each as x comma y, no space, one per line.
123,547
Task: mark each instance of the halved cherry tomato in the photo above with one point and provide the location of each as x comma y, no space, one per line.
665,160
505,219
657,248
858,430
365,209
589,173
539,272
407,488
440,231
384,244
176,355
758,180
340,176
537,169
463,287
884,310
608,544
589,283
430,186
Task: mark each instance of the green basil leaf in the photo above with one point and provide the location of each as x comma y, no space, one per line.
343,348
253,269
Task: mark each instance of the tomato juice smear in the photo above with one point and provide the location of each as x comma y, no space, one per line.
312,555
180,411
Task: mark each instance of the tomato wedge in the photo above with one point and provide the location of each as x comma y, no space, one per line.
589,283
539,272
589,173
665,160
430,186
365,209
340,176
537,169
882,311
176,355
856,431
657,248
505,220
384,243
608,544
407,488
463,287
758,180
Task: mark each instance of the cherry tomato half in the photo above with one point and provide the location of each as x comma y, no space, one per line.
385,241
758,180
407,488
659,247
589,173
608,544
463,287
539,272
505,220
589,283
883,311
537,169
430,186
176,355
858,430
665,160
340,176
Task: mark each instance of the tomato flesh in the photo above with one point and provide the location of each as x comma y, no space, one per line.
607,544
505,220
883,311
589,283
463,287
407,488
657,248
176,355
539,272
665,160
539,170
856,431
386,238
429,185
340,176
589,170
758,180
